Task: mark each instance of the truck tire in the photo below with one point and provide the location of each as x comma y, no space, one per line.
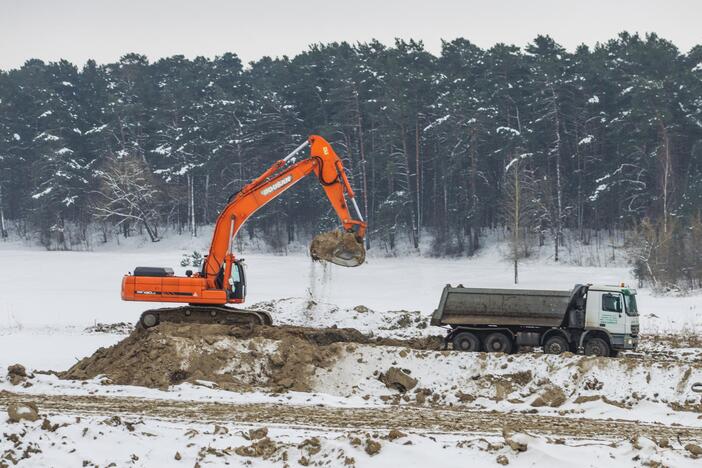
596,347
466,341
498,343
555,344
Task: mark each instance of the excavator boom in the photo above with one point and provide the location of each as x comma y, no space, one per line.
222,278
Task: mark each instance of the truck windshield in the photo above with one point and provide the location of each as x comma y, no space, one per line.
630,301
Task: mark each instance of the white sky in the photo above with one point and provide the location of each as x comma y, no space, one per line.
107,29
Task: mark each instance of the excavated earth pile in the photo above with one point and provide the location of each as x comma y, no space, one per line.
238,358
341,248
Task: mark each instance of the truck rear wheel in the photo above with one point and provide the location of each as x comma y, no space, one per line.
498,343
596,347
555,345
466,341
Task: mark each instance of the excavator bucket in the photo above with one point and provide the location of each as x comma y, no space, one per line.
340,248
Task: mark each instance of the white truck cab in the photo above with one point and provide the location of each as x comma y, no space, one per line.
612,309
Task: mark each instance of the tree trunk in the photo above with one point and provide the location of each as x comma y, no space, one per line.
418,175
666,163
559,191
3,228
205,208
191,205
364,177
473,191
515,246
408,180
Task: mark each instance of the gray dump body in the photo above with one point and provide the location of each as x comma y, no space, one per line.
502,307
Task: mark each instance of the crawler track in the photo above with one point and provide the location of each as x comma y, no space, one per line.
204,314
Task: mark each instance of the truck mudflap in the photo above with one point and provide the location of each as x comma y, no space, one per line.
436,318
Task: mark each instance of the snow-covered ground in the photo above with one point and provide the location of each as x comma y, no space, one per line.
47,299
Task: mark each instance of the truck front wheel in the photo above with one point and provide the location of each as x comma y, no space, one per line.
498,343
555,345
466,341
596,347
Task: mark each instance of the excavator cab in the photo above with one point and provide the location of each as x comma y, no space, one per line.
237,281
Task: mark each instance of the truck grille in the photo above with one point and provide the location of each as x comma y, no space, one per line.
635,329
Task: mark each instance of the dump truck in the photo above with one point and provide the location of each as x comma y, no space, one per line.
592,319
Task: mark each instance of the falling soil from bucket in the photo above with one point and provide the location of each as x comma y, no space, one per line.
340,248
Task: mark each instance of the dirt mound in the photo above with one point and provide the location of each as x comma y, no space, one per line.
236,358
341,248
239,358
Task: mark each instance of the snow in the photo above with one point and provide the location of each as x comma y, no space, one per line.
697,67
48,333
46,137
96,129
508,130
514,161
587,140
408,283
46,114
600,188
103,441
16,137
44,192
437,122
594,100
163,150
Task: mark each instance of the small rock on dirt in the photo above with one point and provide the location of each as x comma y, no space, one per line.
513,444
22,411
550,396
395,434
398,379
263,448
259,433
16,374
694,449
372,447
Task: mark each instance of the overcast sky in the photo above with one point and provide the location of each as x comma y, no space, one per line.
107,29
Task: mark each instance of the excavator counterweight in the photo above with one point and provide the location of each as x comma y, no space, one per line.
222,279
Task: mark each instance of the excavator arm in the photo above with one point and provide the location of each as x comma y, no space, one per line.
323,162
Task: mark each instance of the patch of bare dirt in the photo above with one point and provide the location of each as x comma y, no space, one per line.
118,328
276,358
400,418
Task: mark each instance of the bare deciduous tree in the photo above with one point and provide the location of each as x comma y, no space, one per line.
518,210
128,194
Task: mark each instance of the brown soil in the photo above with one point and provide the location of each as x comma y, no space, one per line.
277,358
336,247
404,418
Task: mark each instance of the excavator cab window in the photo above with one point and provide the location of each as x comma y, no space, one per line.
237,281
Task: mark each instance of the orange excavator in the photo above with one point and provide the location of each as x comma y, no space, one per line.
222,279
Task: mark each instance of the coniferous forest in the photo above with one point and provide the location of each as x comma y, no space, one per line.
536,139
